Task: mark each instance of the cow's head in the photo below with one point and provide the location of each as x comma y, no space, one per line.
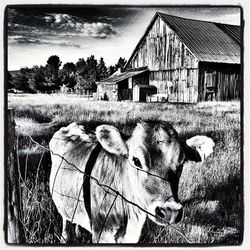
155,161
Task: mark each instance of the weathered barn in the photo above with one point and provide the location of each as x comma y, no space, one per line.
188,60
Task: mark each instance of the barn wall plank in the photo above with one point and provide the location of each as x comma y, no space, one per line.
162,49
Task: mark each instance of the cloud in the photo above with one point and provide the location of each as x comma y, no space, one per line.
72,24
22,40
39,28
58,19
97,30
64,44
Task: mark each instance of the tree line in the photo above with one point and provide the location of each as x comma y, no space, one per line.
79,78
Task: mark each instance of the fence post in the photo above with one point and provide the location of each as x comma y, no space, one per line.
14,227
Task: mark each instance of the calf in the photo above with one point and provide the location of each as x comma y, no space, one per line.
108,184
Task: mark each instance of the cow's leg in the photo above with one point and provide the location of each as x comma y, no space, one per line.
78,231
106,237
133,231
65,233
131,236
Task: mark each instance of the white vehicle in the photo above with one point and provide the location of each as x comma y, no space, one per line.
157,98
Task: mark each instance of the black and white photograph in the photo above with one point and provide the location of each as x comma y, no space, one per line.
123,125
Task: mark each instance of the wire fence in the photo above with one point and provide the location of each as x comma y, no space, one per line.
24,190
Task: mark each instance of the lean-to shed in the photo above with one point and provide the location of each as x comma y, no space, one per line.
120,85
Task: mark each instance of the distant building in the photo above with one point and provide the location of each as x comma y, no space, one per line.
186,60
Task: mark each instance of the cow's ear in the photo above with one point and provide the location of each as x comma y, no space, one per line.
198,148
111,140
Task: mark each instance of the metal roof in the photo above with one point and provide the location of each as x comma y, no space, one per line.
232,30
118,77
208,41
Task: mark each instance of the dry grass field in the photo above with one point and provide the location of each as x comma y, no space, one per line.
210,192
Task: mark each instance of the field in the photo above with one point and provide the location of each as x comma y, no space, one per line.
210,192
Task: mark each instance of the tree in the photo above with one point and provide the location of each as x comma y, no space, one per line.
53,65
9,80
21,80
69,81
68,68
81,85
121,62
39,81
87,74
91,72
102,71
111,70
39,74
85,85
91,66
81,67
67,75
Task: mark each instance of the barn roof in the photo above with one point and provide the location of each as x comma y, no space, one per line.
232,30
118,77
208,41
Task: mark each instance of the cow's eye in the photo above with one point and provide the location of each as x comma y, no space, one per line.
137,162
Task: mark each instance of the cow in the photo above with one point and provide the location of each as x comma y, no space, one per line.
109,183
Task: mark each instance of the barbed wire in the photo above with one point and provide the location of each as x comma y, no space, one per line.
139,169
106,217
106,188
28,190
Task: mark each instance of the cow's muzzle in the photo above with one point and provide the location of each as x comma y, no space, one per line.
171,212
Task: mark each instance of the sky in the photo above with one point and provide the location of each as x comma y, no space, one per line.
36,33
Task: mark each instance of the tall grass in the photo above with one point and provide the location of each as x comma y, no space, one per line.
210,192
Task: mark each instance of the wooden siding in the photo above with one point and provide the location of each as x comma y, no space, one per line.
225,78
173,68
162,49
180,85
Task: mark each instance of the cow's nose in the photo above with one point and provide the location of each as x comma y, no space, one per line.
179,215
164,214
170,215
